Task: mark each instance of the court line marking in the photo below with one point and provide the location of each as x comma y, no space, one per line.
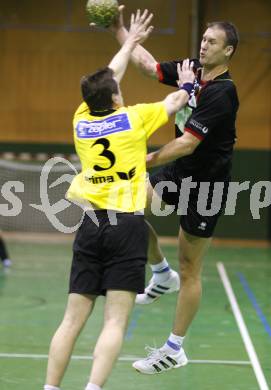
125,358
254,302
242,328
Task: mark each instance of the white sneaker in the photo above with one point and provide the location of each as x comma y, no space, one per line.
155,290
159,361
7,263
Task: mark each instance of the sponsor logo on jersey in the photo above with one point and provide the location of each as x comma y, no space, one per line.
198,126
109,179
101,128
202,226
100,179
127,176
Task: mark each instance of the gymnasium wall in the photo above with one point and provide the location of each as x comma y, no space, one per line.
45,48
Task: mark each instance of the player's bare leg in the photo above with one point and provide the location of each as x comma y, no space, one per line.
79,307
118,307
164,279
155,254
191,252
171,354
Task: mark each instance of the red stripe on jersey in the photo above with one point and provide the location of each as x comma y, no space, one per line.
159,73
202,82
194,133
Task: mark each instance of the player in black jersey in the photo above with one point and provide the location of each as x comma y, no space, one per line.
4,257
206,157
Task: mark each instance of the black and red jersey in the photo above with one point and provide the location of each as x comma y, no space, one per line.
210,116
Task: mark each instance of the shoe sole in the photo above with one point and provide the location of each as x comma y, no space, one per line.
152,300
161,372
177,288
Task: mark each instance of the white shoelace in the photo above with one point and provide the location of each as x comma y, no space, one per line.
153,353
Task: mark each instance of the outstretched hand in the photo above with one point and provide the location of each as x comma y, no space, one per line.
140,27
185,73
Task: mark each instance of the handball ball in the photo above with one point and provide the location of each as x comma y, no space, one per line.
102,12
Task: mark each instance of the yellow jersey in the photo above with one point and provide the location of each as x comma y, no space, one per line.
112,150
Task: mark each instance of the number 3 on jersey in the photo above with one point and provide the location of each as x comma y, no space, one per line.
105,153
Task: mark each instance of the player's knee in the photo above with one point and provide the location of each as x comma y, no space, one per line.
116,322
189,269
190,278
72,321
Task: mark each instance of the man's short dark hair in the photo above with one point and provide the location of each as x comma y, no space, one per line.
232,36
97,89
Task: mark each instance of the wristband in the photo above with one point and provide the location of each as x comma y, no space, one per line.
187,87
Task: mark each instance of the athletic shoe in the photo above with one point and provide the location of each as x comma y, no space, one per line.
155,290
6,263
159,361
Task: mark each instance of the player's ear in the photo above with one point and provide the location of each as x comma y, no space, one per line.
229,51
117,100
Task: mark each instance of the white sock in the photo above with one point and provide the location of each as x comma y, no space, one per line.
160,271
92,386
173,344
48,387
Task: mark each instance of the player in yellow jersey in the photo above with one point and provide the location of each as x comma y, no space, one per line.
108,259
112,148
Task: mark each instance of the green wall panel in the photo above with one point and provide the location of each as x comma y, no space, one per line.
253,166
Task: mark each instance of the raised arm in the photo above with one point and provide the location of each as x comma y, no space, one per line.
140,56
138,32
176,100
186,144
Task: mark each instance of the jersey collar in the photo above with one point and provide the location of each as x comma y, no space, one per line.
224,75
102,113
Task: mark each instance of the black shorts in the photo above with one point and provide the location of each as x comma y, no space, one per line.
194,222
109,257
